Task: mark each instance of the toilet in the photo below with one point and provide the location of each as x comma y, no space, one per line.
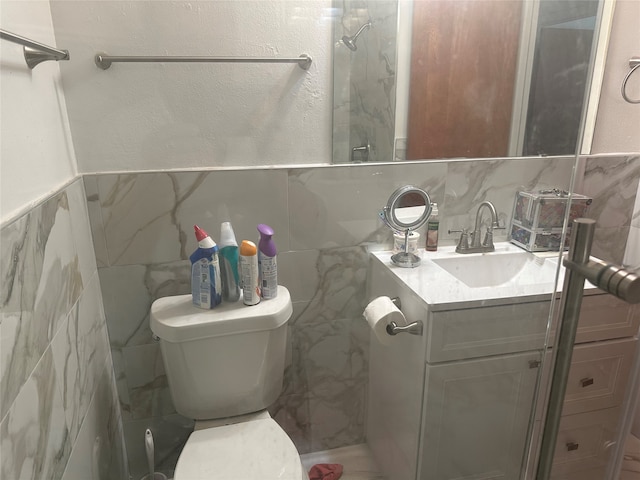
224,367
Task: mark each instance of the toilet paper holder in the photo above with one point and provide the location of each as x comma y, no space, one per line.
414,328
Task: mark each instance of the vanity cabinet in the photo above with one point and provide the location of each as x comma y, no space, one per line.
456,402
600,367
476,415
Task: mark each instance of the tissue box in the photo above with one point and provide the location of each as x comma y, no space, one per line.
537,219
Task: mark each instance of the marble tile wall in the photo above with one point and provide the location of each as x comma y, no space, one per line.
632,252
365,80
613,182
57,390
325,221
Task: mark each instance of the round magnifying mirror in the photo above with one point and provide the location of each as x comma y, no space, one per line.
408,208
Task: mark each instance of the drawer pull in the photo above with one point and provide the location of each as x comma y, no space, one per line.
572,446
534,363
585,382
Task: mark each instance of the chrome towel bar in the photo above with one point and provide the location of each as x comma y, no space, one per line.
35,52
104,61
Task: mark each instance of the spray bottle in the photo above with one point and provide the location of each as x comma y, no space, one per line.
229,263
267,265
205,272
249,270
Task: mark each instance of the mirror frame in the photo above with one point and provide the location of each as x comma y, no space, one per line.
392,205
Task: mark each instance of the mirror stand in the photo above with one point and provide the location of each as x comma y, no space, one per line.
408,209
406,259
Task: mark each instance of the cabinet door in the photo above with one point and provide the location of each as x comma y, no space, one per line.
476,416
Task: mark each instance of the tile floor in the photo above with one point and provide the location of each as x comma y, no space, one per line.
359,463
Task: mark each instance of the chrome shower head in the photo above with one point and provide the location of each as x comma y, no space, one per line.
350,42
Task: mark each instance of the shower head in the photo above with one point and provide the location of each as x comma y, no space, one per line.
350,42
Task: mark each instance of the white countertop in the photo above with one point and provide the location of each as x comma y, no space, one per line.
443,291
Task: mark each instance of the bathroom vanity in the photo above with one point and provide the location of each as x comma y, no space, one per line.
455,402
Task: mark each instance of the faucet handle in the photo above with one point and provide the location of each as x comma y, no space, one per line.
463,243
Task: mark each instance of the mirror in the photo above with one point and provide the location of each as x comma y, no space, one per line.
434,79
407,209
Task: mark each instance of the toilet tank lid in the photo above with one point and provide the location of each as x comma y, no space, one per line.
175,319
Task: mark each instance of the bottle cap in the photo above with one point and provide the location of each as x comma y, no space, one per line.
200,233
248,248
265,230
204,240
227,237
266,244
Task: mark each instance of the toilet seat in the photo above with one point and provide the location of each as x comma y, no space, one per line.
252,450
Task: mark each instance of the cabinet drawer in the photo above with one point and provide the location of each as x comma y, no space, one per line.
484,331
598,375
604,316
583,440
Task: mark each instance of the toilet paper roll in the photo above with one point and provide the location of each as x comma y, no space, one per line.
381,312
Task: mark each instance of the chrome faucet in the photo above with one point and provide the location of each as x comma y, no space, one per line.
470,242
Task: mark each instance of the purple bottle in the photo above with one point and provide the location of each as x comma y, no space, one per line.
267,265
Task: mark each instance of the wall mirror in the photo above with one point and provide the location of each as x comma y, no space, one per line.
437,79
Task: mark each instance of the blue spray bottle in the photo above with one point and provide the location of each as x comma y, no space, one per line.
205,272
229,263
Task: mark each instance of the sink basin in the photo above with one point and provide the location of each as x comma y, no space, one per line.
498,269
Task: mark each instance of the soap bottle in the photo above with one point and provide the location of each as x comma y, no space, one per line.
249,273
267,265
433,224
205,272
229,263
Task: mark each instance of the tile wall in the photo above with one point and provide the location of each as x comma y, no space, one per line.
60,396
325,220
59,406
613,183
364,81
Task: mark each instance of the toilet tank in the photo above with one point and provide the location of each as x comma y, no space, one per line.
226,361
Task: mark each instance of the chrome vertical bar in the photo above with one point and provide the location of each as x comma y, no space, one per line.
581,239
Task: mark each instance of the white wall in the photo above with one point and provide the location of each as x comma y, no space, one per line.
617,123
170,116
35,146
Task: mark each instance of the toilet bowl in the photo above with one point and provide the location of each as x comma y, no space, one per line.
224,367
253,448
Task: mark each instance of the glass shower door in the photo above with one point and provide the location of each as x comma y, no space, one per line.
587,412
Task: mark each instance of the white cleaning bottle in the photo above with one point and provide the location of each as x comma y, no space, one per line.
249,269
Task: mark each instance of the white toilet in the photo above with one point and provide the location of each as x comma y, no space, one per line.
225,366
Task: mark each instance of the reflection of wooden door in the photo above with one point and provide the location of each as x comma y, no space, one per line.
463,65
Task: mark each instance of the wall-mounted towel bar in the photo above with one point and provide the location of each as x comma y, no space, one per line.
634,64
104,61
35,52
